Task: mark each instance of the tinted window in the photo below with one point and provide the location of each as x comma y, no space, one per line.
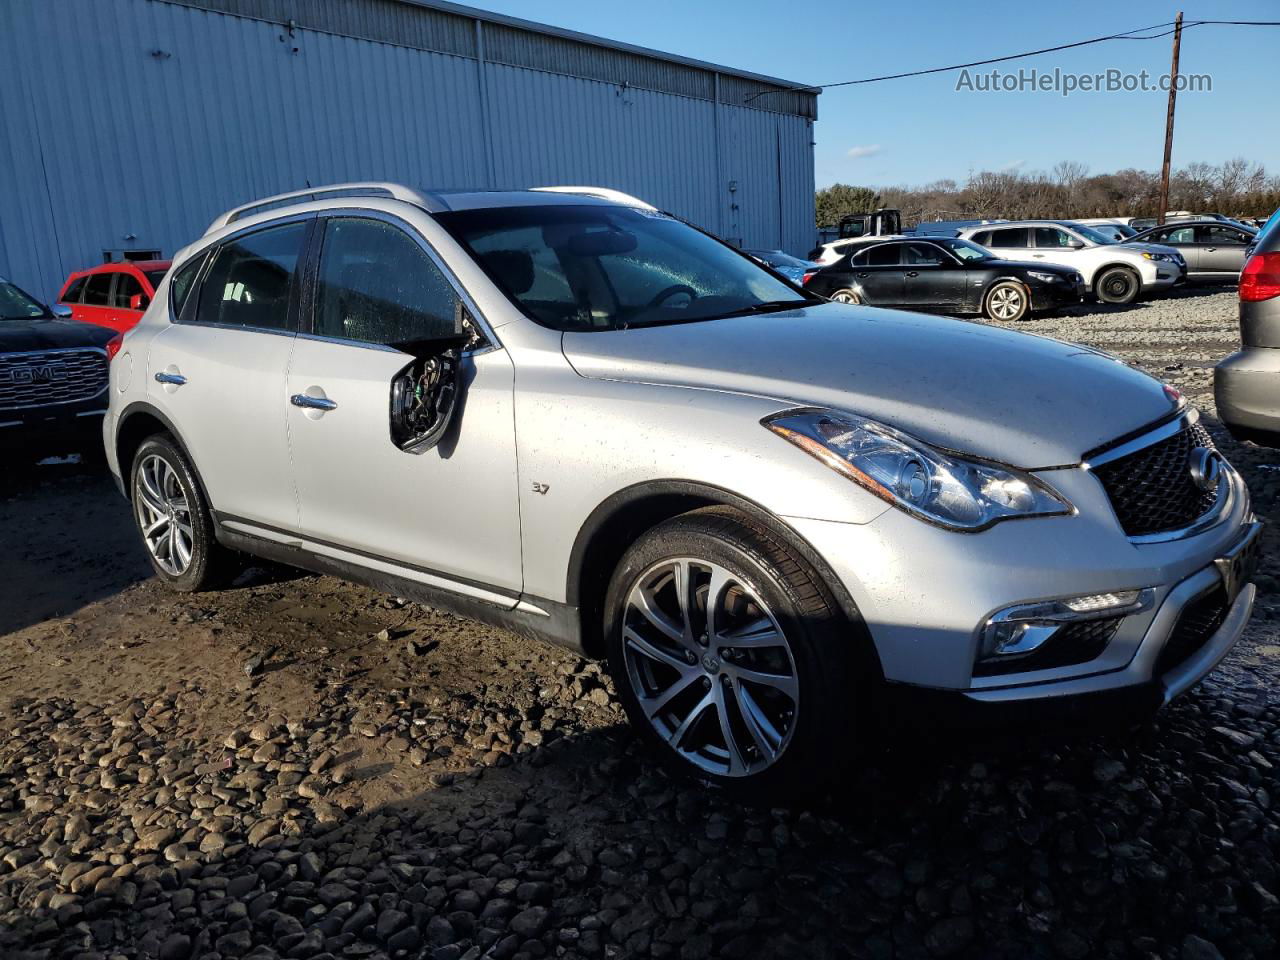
1051,237
250,279
1173,235
1223,236
924,254
885,255
127,286
18,305
155,277
1009,238
181,285
74,292
982,238
97,291
378,285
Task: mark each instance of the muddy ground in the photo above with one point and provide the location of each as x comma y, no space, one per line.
395,782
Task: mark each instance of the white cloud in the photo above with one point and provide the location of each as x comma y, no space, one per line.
1011,167
870,150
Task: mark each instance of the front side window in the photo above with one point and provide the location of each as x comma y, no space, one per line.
1224,236
378,285
74,292
127,287
97,292
589,267
924,255
1051,237
250,279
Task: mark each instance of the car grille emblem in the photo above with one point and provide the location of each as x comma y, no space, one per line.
44,373
1206,468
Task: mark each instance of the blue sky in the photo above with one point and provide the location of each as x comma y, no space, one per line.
921,129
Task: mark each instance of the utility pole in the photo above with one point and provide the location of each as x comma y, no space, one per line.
1168,123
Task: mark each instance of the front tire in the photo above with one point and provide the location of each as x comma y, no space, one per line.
845,296
730,657
1118,285
173,519
1006,301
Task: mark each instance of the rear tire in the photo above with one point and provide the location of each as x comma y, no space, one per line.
758,695
1118,285
1007,302
174,521
845,296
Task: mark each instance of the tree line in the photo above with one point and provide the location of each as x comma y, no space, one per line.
1068,191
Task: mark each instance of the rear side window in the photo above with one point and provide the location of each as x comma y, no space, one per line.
97,292
1009,238
885,255
127,286
251,278
378,285
74,292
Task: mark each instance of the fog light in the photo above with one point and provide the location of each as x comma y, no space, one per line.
1018,630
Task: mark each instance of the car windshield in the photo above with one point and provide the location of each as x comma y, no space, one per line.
155,276
16,305
776,258
964,249
1091,234
589,267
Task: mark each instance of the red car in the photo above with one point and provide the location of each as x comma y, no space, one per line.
113,294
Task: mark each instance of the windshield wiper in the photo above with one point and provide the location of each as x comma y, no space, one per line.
768,306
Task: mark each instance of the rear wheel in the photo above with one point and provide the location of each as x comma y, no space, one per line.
729,657
845,296
1117,285
1007,301
174,520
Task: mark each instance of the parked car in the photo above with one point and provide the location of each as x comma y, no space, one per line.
113,294
1114,273
793,268
570,413
884,222
1115,232
1213,249
53,379
946,275
944,228
1246,385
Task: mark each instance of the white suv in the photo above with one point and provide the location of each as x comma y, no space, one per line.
582,418
1116,273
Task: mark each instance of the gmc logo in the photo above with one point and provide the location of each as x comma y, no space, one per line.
44,373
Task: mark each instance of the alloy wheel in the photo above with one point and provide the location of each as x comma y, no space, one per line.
710,666
844,296
164,514
1006,303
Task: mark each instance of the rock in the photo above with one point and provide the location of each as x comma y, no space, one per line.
389,921
176,946
1107,770
529,922
253,665
1197,948
948,937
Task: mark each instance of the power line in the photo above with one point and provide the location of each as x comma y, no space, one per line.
1127,35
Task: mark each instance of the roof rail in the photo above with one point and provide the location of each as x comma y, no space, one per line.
370,188
604,193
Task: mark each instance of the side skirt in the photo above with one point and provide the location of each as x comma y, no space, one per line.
533,617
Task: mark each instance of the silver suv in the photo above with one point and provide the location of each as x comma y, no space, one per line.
574,415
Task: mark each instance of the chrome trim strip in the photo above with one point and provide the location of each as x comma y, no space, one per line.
1162,432
1198,666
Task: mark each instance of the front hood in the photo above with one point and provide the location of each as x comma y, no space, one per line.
1020,399
1142,246
20,336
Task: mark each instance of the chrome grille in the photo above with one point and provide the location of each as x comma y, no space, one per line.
48,377
1151,490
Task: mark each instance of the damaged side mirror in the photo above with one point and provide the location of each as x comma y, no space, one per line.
425,392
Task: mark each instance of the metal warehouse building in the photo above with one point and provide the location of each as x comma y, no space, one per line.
129,124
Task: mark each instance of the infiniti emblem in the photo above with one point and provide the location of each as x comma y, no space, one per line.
1206,468
710,664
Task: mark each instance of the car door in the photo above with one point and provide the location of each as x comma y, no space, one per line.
96,305
1054,245
1183,239
935,281
447,516
1221,249
880,275
218,371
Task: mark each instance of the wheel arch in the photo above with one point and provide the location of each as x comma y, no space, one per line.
616,522
138,421
1111,264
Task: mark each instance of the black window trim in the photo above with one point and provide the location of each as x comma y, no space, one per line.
209,254
311,279
83,281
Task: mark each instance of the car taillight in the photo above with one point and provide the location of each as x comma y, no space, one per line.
807,277
114,345
1260,279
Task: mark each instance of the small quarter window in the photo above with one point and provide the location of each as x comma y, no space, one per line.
378,285
180,289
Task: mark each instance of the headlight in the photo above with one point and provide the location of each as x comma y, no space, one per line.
945,489
1147,255
1045,277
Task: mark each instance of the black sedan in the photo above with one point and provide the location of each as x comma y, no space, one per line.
946,275
53,379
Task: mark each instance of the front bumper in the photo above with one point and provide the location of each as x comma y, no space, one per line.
925,592
1055,296
42,431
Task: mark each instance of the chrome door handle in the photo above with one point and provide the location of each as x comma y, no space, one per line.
312,403
176,379
912,273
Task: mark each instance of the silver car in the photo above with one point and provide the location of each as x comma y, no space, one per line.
574,415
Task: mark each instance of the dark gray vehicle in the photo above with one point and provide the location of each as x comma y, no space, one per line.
1246,384
1214,250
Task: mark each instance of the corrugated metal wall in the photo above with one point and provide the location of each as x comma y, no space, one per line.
131,123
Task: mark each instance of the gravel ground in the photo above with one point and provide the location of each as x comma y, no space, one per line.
298,767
